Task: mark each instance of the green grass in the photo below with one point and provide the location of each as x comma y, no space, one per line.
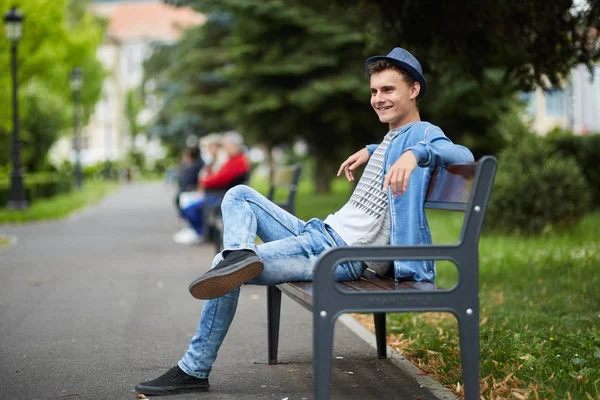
540,315
540,309
61,205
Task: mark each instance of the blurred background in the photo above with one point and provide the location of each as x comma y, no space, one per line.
288,75
98,94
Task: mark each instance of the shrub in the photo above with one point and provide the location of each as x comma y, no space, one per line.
536,190
584,149
38,186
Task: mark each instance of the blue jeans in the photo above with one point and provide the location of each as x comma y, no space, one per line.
195,216
290,249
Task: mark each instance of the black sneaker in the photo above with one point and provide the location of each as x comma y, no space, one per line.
238,267
174,381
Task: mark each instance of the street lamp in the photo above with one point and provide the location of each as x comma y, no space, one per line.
76,79
13,24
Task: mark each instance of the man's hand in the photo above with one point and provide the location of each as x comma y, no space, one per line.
398,175
354,161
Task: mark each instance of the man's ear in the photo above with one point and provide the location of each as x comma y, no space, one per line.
415,89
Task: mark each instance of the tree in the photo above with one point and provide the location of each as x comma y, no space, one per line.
477,55
57,36
288,72
533,44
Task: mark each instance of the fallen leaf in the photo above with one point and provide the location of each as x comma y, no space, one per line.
422,373
141,396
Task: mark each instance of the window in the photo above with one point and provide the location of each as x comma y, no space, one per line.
556,103
528,99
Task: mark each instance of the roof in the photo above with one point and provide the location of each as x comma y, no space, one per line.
148,20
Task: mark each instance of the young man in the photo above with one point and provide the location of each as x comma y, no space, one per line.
386,207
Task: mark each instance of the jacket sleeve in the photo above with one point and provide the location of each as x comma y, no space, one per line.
437,150
371,148
226,174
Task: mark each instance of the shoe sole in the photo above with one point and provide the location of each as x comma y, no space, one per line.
217,285
170,390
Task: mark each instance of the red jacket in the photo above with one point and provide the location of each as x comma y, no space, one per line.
230,174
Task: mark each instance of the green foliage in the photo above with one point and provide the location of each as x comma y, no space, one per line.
57,36
475,61
536,190
277,71
137,159
585,150
529,44
483,115
134,103
44,118
38,186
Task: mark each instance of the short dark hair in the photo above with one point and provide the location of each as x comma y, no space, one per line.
193,152
382,65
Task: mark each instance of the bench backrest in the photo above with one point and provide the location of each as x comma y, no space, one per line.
285,178
463,187
450,187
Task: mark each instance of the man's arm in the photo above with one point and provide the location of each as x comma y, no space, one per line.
437,150
434,150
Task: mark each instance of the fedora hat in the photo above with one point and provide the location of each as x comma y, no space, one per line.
403,59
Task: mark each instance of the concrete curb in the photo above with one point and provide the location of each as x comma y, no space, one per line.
436,388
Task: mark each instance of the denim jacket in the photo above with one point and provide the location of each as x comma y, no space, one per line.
408,223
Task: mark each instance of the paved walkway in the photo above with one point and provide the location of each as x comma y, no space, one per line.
94,304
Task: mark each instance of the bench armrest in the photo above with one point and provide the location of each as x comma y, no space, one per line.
328,261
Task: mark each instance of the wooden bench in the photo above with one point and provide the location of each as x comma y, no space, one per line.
463,188
285,180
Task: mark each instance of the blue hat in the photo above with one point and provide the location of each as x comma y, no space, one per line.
403,59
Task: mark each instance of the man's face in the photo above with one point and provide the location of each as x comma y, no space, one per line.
392,98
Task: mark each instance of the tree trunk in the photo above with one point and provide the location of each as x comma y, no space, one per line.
325,170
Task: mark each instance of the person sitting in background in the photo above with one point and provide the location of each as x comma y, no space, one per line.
212,152
213,184
191,164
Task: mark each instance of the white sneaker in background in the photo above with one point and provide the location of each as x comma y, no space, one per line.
187,236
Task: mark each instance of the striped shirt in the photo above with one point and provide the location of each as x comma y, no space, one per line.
364,219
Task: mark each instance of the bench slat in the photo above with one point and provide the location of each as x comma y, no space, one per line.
302,292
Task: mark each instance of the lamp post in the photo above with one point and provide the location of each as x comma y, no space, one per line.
76,79
13,23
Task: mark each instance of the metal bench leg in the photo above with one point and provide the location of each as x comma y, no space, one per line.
322,354
380,334
274,312
468,329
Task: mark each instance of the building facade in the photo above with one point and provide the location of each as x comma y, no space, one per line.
576,106
133,28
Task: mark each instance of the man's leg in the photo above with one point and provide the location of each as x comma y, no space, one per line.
246,214
289,259
191,373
